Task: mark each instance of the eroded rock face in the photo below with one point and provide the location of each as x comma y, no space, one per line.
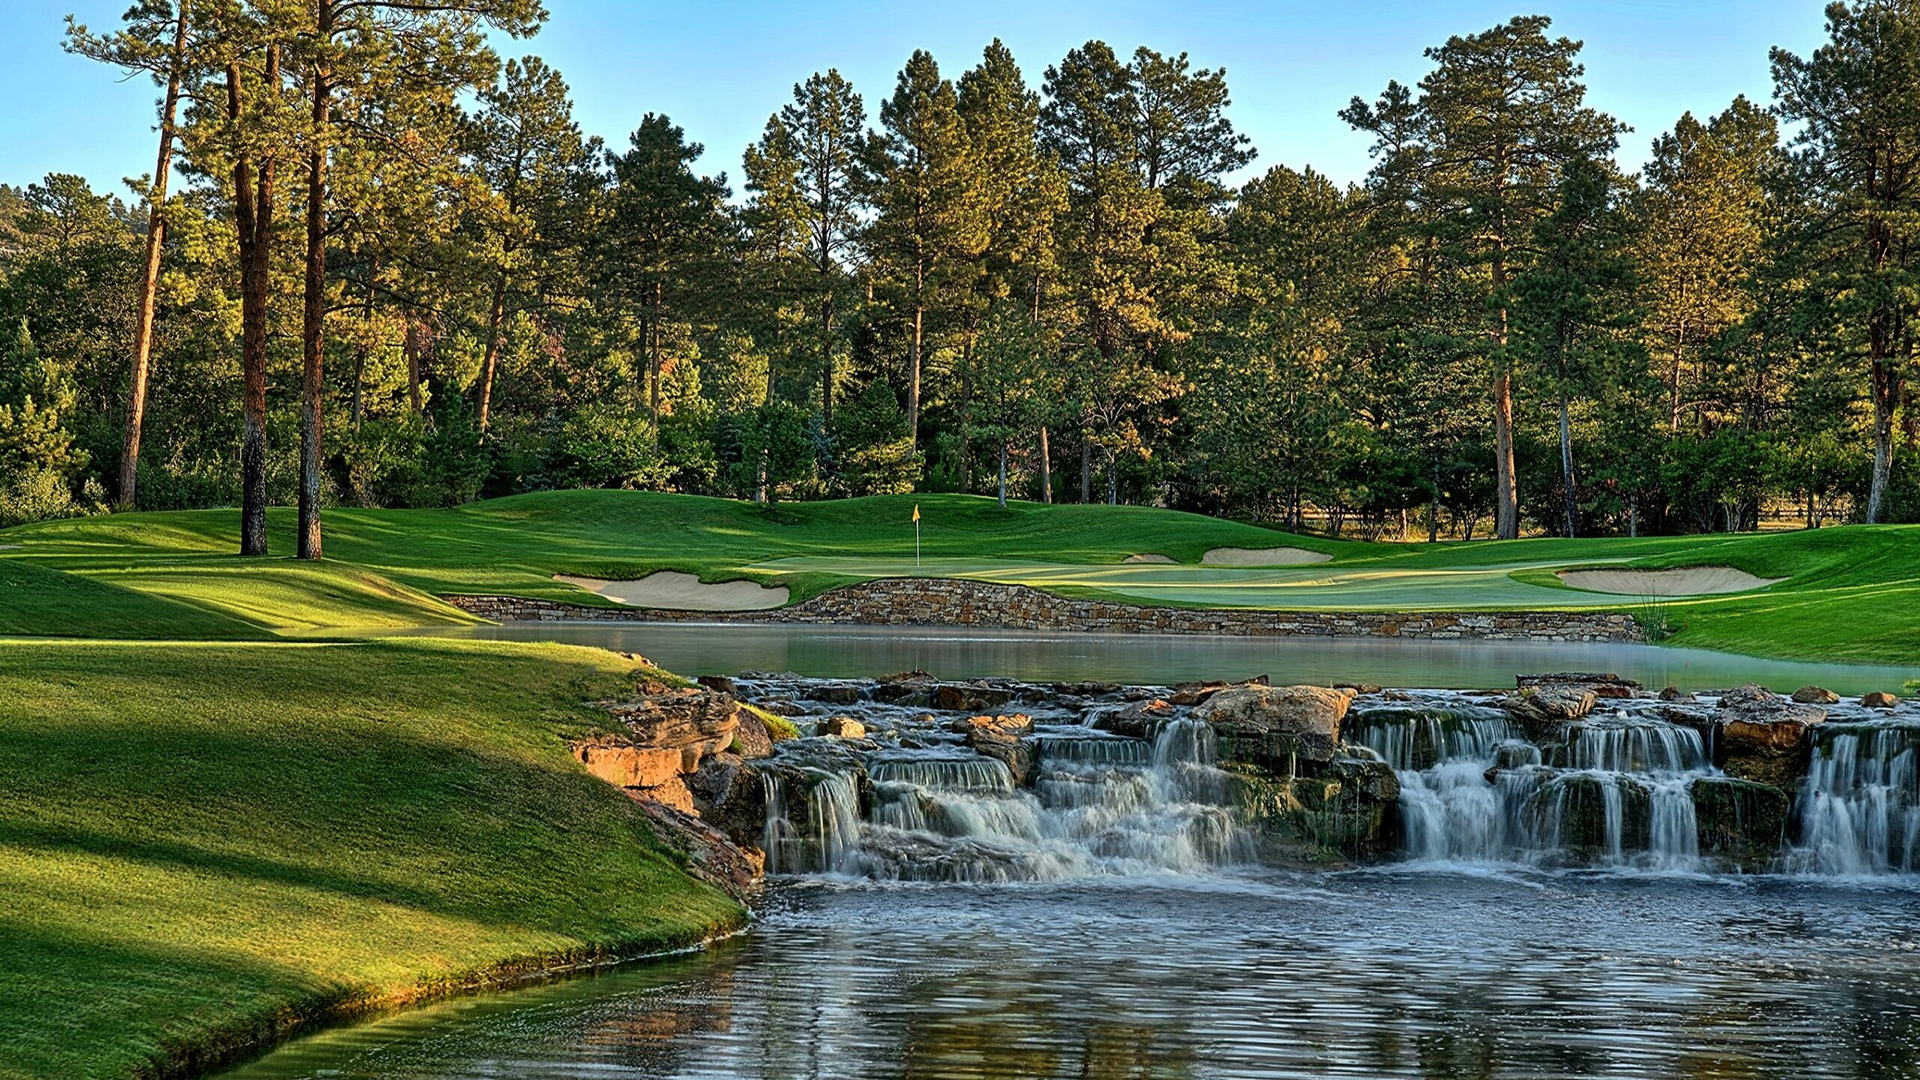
1739,820
728,794
690,723
1276,727
1346,809
674,760
1762,737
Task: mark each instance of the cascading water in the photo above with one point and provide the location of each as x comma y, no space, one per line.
1616,792
1859,808
1097,804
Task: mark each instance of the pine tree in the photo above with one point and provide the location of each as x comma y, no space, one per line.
666,233
931,224
803,175
1857,101
1478,151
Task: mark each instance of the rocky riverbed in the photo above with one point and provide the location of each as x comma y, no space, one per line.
912,777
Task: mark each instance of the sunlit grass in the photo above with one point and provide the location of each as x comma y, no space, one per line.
201,841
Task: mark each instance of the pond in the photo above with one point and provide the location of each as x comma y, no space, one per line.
1126,933
1383,973
849,652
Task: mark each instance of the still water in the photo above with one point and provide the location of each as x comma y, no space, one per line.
1383,973
854,652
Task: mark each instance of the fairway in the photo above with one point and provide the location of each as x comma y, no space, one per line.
1321,587
1843,594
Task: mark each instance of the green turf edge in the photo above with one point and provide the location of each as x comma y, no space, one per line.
191,1044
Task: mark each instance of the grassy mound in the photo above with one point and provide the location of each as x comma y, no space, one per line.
205,844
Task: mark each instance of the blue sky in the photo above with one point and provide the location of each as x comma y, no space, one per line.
718,68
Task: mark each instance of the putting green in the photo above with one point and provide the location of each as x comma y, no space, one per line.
1322,587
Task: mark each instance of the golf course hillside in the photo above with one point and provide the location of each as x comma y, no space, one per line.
1850,593
205,847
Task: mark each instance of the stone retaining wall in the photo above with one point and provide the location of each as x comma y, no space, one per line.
952,602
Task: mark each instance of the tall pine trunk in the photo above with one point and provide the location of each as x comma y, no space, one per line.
1885,391
1506,491
314,337
496,313
1046,468
1566,468
1003,470
253,221
1086,470
150,270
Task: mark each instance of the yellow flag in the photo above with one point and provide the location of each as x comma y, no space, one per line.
916,511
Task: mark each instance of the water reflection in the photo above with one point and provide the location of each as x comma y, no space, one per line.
854,652
1383,974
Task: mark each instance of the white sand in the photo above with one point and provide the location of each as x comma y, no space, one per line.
1280,556
674,591
1146,557
1680,581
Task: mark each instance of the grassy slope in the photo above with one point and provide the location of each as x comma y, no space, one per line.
198,840
1854,593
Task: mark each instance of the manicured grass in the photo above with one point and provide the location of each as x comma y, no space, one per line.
1853,593
202,844
46,602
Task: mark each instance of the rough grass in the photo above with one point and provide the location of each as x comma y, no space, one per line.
205,844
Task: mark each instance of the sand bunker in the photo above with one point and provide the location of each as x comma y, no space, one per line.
1280,556
1680,581
1146,557
674,591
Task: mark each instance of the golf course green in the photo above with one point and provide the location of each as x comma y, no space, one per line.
1849,593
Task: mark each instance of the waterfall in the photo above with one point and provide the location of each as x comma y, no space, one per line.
1615,790
1097,805
1859,807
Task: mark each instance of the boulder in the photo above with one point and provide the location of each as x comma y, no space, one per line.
1137,720
729,795
1194,693
970,697
1277,727
835,693
1816,695
751,739
1550,704
1086,689
1762,737
843,727
1746,694
1012,725
1879,700
710,853
1347,810
1577,678
666,736
1673,693
1739,821
719,684
905,688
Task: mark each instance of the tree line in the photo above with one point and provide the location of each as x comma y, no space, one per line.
376,265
